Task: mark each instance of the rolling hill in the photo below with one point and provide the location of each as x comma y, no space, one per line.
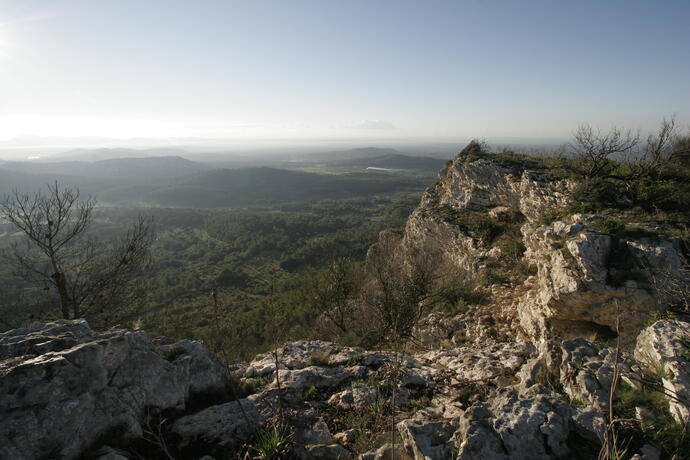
393,161
123,169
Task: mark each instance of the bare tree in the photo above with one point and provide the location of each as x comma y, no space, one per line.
644,160
88,275
595,149
401,288
331,292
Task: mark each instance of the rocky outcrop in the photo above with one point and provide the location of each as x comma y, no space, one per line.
63,386
481,186
664,347
525,374
585,283
590,284
87,394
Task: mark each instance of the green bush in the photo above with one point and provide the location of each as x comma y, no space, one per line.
607,226
456,297
477,224
671,437
594,195
552,215
272,441
311,394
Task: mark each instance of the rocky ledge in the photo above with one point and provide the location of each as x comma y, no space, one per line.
69,392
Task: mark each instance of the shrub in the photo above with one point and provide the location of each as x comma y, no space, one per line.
272,441
473,151
550,216
608,226
477,224
661,430
548,379
594,195
311,394
456,297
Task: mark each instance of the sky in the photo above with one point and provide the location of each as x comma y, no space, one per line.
370,69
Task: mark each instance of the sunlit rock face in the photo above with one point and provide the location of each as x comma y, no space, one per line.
585,284
665,348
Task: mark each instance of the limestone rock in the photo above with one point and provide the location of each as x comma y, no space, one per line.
385,452
590,424
316,432
516,427
476,438
63,385
317,377
327,452
586,372
498,363
537,427
356,398
205,373
300,354
426,440
227,424
665,345
575,295
345,437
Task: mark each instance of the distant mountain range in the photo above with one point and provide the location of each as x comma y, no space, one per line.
393,161
115,153
125,169
178,182
261,186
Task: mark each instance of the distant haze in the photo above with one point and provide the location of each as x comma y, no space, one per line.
224,75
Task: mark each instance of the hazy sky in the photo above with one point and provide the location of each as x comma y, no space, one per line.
370,69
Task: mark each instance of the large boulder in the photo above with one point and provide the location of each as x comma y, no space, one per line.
64,386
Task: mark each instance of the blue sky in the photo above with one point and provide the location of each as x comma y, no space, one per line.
340,69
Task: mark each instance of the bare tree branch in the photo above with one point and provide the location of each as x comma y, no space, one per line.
88,275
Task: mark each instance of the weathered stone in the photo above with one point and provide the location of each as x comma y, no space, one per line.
317,377
301,354
476,438
586,372
478,364
590,424
534,426
665,345
385,452
346,437
426,440
327,452
316,433
574,296
227,424
63,386
537,427
355,398
206,375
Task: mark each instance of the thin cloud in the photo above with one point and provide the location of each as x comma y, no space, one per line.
374,124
